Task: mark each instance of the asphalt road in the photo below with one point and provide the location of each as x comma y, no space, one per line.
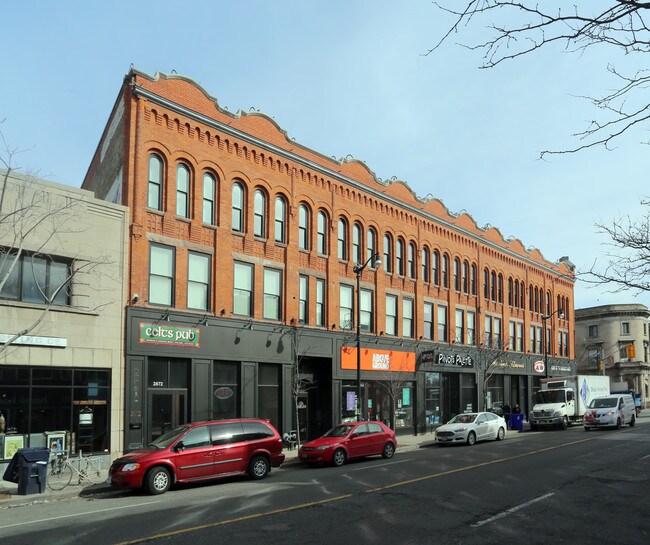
546,487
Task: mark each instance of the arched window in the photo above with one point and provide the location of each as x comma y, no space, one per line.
472,281
209,198
388,253
259,221
411,260
486,284
435,271
522,295
238,207
303,227
371,243
155,186
399,257
445,271
500,289
465,277
182,191
530,297
322,233
457,274
342,249
425,265
356,244
493,286
280,220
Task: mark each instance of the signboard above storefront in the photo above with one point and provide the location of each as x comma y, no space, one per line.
169,335
53,342
459,360
378,360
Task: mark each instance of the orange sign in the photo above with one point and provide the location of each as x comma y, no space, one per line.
378,360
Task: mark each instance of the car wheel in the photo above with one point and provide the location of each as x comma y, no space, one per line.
471,438
389,450
632,422
501,434
565,423
587,428
258,468
339,457
158,480
533,427
618,423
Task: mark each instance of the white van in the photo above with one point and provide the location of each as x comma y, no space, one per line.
610,411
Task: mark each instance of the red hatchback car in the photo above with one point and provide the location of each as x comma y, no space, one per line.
199,452
350,440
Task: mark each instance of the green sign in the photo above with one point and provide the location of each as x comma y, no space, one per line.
169,335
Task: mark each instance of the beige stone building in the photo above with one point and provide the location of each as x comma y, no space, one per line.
613,340
62,299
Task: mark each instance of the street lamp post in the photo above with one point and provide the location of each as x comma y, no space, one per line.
560,313
358,269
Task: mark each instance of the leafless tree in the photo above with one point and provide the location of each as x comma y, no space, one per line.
397,378
33,222
520,28
628,254
486,354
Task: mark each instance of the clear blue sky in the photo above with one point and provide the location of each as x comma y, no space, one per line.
342,77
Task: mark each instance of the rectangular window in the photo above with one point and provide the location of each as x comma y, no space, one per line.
161,275
471,328
391,315
320,302
243,289
488,332
460,327
442,323
593,331
428,321
407,318
625,328
538,339
366,319
35,279
512,343
272,294
496,332
520,337
346,307
303,303
198,281
532,338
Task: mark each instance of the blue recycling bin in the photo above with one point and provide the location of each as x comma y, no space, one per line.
516,422
28,469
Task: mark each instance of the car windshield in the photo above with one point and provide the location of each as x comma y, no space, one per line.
338,431
602,403
168,438
551,396
463,419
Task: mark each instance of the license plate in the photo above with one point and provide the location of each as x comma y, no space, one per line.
304,456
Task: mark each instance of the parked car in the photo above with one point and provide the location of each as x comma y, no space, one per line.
472,427
610,411
350,440
199,452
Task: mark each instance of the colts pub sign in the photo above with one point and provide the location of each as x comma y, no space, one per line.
446,358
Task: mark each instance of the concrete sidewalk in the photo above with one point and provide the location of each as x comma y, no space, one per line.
9,496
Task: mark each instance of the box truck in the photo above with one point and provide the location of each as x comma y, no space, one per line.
562,401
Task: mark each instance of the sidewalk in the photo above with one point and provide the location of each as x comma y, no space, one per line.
9,496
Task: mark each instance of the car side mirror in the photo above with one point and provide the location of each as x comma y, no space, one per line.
353,435
179,446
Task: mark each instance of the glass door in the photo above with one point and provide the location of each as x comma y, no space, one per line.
167,409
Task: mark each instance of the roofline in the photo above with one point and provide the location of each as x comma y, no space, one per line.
192,114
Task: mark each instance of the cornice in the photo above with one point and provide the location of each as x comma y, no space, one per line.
246,137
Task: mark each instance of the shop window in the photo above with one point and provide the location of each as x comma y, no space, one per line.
268,393
225,398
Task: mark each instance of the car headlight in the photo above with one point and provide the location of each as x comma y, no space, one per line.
557,413
322,447
461,430
609,413
130,467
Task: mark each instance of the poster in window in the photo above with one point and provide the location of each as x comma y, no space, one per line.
11,445
56,441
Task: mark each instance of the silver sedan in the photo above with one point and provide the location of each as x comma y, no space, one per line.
472,427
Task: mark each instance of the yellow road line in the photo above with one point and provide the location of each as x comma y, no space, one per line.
346,496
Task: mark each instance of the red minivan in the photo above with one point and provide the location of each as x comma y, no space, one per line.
199,452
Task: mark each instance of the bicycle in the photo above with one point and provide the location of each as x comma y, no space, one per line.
61,470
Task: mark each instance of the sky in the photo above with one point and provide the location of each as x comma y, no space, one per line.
344,77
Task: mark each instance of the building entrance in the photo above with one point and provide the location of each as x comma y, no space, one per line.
167,409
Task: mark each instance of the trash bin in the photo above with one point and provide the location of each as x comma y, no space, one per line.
31,465
516,422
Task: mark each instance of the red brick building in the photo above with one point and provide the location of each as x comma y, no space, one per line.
243,246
